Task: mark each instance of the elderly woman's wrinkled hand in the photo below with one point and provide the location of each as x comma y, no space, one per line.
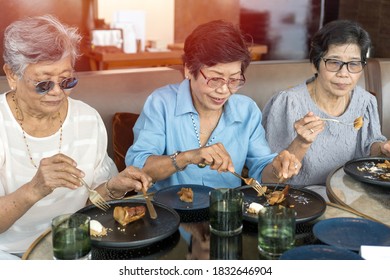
57,171
130,179
215,156
309,127
285,165
385,149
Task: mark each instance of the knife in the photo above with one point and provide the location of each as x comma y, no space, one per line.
149,204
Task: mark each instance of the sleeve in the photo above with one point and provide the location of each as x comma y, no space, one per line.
149,132
105,167
371,130
279,116
2,159
259,152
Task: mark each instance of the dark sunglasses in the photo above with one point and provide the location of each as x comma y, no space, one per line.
44,87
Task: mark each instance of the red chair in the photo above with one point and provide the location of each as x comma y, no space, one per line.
122,133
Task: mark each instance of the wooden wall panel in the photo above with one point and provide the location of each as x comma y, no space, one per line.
190,13
373,15
72,12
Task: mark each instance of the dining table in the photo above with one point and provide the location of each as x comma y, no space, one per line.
371,200
193,240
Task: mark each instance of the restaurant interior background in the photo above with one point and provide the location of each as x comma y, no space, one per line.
285,26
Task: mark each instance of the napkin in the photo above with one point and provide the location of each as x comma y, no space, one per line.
375,252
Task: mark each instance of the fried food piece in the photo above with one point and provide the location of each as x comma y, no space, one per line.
385,176
126,215
385,164
278,196
358,123
186,195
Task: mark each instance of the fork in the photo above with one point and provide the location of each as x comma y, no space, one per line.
96,198
357,123
337,121
251,182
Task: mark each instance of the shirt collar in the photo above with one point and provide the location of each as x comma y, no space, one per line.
184,103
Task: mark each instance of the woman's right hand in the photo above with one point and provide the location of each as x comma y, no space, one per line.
214,155
308,128
56,171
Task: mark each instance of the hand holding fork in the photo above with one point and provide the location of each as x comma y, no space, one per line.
96,198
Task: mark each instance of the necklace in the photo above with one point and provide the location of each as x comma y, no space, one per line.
197,133
19,116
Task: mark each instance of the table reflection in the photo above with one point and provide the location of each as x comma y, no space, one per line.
192,241
225,247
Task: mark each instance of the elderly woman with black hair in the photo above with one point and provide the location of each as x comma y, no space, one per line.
48,141
294,118
188,131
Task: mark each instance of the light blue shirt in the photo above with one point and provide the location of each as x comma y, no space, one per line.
165,126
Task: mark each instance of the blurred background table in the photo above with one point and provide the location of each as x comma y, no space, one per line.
106,60
116,60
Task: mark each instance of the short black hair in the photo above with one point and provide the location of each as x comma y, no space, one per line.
339,32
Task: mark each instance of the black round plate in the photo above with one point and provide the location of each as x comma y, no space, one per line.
140,233
198,210
308,204
351,168
351,233
319,252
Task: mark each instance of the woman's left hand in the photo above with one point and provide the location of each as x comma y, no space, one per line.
130,179
385,149
285,165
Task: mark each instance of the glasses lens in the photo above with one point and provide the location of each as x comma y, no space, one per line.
68,83
215,82
355,66
333,65
44,86
236,83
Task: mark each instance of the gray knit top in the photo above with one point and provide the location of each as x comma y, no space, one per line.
334,146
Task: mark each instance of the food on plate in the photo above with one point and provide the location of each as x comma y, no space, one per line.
254,208
125,215
276,197
186,194
97,229
378,170
385,176
261,190
385,164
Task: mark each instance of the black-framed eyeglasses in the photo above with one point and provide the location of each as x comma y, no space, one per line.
334,65
44,87
217,82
